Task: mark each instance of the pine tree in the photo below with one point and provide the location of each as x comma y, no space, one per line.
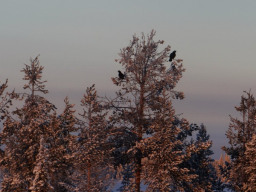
92,148
138,103
21,134
239,134
250,166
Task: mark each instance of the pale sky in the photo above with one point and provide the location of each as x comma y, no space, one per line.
79,40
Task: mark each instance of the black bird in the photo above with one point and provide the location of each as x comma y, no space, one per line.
121,75
172,56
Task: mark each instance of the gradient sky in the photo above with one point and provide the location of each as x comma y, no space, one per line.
78,41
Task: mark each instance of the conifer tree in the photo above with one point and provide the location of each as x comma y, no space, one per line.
240,132
41,181
127,177
201,164
166,151
3,100
138,104
62,147
21,135
250,166
6,100
92,148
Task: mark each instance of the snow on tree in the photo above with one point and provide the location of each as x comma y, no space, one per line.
201,164
21,134
250,166
6,99
127,178
41,181
139,104
92,147
221,167
240,132
62,146
165,151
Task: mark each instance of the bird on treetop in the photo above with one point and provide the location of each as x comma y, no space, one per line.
172,56
121,75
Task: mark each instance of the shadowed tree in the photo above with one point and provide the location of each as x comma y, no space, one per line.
200,162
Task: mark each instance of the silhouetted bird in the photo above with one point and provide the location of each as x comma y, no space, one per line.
121,75
172,55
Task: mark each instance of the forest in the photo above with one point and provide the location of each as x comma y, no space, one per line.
134,141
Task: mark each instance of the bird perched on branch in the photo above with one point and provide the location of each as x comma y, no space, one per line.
121,75
172,56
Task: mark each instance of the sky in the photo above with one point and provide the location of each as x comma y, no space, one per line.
79,40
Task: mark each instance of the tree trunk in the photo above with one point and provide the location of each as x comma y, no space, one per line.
139,132
138,175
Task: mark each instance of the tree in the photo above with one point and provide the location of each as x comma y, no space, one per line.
62,146
126,180
21,134
166,151
148,85
4,100
240,132
250,168
41,171
201,164
92,143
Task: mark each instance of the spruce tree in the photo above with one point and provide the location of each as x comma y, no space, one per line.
201,164
41,180
4,100
21,134
240,132
166,151
62,146
250,166
92,147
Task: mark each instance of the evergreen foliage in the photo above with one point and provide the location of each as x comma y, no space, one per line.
135,138
250,167
92,151
240,132
150,139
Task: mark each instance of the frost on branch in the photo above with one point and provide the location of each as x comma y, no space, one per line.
239,134
22,132
142,114
92,151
